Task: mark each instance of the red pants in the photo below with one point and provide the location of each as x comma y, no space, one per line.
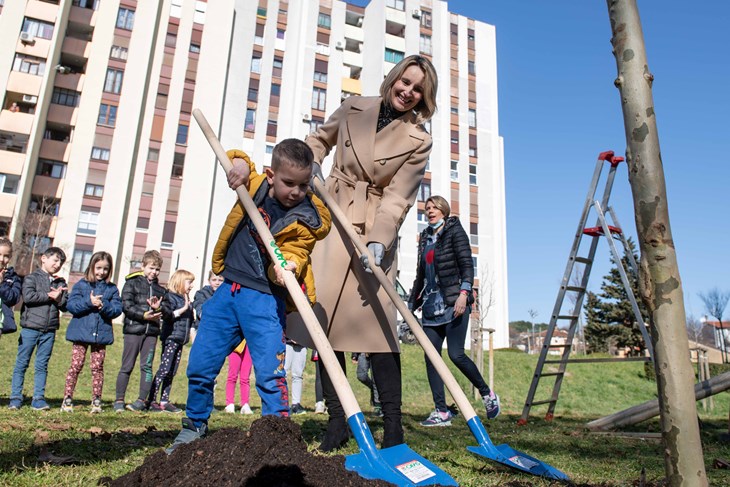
78,357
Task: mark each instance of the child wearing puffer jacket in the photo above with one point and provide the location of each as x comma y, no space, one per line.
94,302
177,320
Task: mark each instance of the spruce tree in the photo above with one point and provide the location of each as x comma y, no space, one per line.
609,313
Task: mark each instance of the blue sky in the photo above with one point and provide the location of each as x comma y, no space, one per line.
558,108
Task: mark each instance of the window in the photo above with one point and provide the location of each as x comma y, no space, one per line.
65,97
454,170
269,149
100,153
195,48
94,190
396,4
119,52
280,33
249,124
315,123
425,19
319,98
90,4
455,110
393,56
474,233
425,44
253,94
258,37
324,21
275,89
422,220
44,205
80,260
472,67
424,191
113,82
37,28
170,40
182,134
271,127
107,115
472,118
125,19
473,174
9,183
474,262
153,155
178,164
29,64
256,63
320,76
261,12
88,221
51,169
278,65
472,151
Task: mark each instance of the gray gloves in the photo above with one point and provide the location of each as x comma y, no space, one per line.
378,250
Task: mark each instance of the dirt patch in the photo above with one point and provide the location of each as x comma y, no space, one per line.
271,454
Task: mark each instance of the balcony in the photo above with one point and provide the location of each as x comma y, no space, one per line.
24,83
394,42
354,33
352,58
7,205
84,16
38,48
48,186
11,162
61,114
351,85
73,82
55,150
42,11
77,48
17,122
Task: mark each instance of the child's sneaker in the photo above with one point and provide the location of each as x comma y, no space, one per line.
138,406
231,408
246,409
378,410
39,404
437,418
155,407
67,406
188,433
297,409
169,407
491,403
15,404
319,407
96,406
118,406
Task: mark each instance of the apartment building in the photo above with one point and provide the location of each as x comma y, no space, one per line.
98,150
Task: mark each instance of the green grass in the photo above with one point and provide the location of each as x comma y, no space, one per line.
113,444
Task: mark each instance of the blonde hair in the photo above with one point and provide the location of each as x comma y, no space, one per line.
99,256
426,108
177,280
440,203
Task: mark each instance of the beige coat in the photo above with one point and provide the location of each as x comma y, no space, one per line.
375,180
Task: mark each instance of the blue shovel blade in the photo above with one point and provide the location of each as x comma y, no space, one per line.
506,455
398,464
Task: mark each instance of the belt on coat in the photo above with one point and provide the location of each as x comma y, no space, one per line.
362,190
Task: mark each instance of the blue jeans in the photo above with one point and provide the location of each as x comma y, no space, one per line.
229,317
27,341
455,334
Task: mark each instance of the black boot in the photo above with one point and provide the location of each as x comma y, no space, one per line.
336,436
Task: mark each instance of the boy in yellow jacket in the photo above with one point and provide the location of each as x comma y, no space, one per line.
251,301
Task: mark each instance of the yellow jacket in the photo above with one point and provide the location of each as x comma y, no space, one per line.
295,241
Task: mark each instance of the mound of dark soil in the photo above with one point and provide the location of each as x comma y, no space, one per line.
271,454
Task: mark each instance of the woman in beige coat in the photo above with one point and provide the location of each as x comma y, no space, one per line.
382,150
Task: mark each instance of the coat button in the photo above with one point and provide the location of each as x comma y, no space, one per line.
382,162
348,143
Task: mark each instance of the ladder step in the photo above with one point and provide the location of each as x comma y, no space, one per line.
567,317
558,345
578,289
548,401
551,374
583,260
598,231
600,360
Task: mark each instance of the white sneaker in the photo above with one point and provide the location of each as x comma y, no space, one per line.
319,408
231,408
246,409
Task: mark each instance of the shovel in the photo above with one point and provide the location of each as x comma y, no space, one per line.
399,464
503,454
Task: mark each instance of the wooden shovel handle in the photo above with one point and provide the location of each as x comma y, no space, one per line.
434,356
339,380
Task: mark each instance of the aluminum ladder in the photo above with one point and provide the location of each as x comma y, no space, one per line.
602,228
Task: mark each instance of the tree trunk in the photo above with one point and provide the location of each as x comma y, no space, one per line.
661,287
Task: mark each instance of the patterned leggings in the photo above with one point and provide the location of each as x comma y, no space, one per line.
171,353
78,357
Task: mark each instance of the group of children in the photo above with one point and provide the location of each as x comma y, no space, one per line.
150,311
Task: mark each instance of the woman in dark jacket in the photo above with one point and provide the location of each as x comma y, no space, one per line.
94,302
443,291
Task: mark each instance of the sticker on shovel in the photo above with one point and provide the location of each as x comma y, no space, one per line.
415,471
523,462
